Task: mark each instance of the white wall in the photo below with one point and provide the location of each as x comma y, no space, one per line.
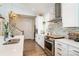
17,8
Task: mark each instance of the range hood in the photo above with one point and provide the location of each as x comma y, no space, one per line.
55,20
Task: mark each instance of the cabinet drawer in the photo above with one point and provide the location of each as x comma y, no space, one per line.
58,54
73,51
60,49
60,45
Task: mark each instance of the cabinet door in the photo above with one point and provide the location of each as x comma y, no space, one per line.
60,49
1,27
70,15
41,41
73,51
38,39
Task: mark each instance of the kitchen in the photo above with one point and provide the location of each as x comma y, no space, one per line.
55,29
61,27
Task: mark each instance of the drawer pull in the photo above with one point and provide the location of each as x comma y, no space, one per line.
76,51
59,54
59,49
59,44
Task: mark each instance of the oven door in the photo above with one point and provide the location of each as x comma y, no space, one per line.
49,47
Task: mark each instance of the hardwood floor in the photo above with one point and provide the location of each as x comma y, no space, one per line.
31,48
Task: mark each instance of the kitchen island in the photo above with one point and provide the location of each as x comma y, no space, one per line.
14,49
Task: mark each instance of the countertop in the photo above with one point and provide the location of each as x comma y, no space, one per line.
69,42
12,49
65,40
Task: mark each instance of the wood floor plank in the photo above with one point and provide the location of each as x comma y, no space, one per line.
31,48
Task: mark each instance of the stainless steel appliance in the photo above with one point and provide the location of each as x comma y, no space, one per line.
50,47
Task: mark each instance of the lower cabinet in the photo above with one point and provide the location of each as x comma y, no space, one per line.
40,40
62,49
1,27
73,51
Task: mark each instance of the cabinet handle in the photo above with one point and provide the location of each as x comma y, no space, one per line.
59,49
59,54
76,51
59,44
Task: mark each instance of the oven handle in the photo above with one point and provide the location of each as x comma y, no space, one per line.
49,41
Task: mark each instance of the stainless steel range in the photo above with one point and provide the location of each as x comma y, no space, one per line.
50,47
50,44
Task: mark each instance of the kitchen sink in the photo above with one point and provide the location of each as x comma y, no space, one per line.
11,41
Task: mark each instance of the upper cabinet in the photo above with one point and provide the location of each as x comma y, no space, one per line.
39,24
1,26
70,15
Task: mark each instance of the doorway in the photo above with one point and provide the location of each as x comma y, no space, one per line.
25,23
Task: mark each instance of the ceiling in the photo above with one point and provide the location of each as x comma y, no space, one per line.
39,7
34,8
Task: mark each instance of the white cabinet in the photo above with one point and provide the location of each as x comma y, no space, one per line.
66,47
1,27
39,24
73,51
40,40
60,49
70,14
40,35
12,49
